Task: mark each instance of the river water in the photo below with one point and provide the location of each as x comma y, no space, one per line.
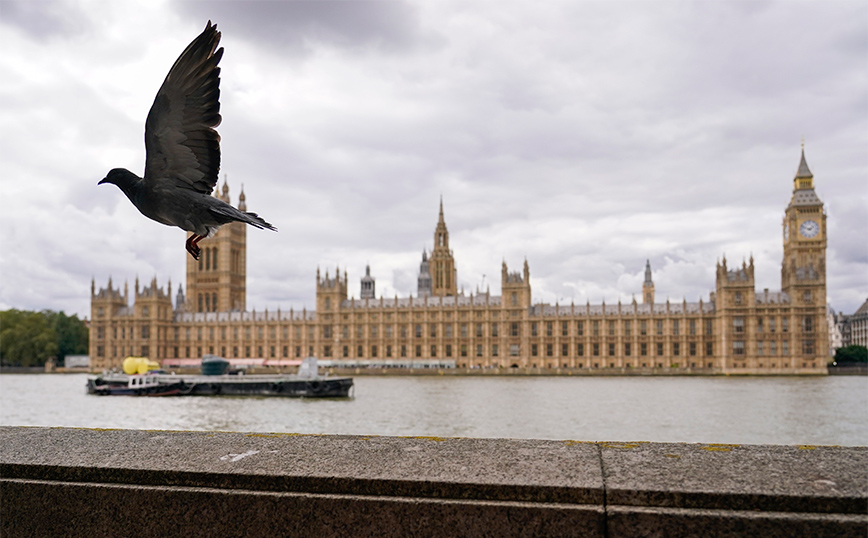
763,410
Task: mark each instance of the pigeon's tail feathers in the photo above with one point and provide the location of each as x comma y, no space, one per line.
228,213
256,221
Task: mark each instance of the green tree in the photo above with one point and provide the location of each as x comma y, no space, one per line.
70,332
26,338
851,354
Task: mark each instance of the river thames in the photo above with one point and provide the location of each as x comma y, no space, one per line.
745,410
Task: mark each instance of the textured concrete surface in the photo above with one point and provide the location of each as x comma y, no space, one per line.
84,482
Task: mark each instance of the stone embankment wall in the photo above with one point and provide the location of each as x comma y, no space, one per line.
84,482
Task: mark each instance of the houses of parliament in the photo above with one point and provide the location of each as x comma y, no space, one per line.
738,329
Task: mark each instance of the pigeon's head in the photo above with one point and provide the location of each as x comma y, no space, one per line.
121,177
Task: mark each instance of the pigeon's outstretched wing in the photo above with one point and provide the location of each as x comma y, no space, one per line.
183,149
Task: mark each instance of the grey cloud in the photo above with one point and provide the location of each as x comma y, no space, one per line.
297,26
43,19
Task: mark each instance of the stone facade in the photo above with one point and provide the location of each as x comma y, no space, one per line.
853,328
737,330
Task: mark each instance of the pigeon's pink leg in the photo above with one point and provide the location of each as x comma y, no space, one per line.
193,247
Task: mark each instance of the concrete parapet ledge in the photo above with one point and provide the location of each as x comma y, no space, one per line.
86,482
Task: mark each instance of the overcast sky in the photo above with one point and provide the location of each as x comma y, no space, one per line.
585,137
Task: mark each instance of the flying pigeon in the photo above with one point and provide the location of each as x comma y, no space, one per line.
183,150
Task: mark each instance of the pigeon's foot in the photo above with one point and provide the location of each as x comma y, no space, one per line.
193,246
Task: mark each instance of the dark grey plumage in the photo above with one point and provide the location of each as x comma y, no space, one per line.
183,149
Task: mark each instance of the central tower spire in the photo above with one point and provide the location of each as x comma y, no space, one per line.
442,263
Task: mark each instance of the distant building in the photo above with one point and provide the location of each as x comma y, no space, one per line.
836,339
76,361
737,329
854,328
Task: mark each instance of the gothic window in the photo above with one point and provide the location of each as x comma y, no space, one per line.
580,349
479,330
433,331
643,327
759,324
771,324
611,350
549,328
596,349
676,348
659,348
494,350
785,325
359,352
692,349
514,299
692,328
738,347
418,331
627,349
611,328
709,327
760,348
513,350
659,326
738,324
580,328
709,349
676,327
643,349
214,259
808,324
737,297
565,350
214,302
463,330
596,326
565,329
628,327
374,351
374,331
549,350
478,350
514,329
388,351
806,296
494,329
534,328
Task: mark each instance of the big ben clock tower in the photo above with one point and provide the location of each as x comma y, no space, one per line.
803,273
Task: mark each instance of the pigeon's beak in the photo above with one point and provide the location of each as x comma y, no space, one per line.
104,180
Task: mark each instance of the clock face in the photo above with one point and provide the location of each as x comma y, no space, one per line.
809,228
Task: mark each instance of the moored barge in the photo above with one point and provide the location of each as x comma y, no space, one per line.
140,381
